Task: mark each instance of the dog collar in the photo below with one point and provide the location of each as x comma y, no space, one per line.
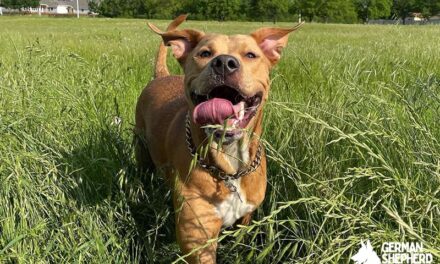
214,170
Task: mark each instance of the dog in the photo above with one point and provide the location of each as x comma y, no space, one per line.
366,255
202,130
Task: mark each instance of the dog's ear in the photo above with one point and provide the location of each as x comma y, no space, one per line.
273,40
181,41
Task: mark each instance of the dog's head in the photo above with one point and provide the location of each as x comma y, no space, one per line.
226,77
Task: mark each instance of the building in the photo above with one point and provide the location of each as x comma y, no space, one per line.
415,18
54,7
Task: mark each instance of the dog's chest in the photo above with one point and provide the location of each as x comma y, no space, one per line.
234,206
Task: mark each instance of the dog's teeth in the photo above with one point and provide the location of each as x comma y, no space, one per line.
235,122
241,112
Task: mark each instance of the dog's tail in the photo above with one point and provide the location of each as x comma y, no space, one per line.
161,59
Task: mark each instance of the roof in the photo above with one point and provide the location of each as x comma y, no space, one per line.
83,4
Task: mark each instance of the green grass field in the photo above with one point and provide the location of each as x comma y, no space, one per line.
352,133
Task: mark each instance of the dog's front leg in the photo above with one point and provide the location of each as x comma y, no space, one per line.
197,226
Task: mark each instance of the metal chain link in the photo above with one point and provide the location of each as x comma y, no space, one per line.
214,169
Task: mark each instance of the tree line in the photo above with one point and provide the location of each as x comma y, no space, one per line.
333,11
18,4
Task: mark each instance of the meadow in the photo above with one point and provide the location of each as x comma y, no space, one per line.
352,133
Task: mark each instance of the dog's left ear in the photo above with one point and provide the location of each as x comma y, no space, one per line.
273,40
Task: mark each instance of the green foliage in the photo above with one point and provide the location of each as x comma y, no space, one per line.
216,10
272,10
17,4
224,9
335,11
309,9
428,8
351,132
338,11
373,9
403,8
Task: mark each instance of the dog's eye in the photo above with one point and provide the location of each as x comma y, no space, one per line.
250,55
205,54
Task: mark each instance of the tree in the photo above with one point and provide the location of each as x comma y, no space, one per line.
327,10
94,6
373,9
222,10
199,9
428,8
19,4
273,9
403,8
309,8
110,8
338,11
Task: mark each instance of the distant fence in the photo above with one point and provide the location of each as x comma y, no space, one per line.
400,22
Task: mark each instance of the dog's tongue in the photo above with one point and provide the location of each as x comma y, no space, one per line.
215,111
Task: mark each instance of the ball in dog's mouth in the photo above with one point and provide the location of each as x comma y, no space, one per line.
225,108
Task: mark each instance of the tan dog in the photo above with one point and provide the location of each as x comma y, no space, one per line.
202,129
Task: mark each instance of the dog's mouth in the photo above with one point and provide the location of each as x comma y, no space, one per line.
225,106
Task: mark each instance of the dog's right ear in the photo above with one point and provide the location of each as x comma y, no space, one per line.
181,41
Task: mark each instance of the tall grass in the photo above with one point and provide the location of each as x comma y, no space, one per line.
351,131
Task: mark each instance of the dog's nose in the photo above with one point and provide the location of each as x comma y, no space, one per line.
225,64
